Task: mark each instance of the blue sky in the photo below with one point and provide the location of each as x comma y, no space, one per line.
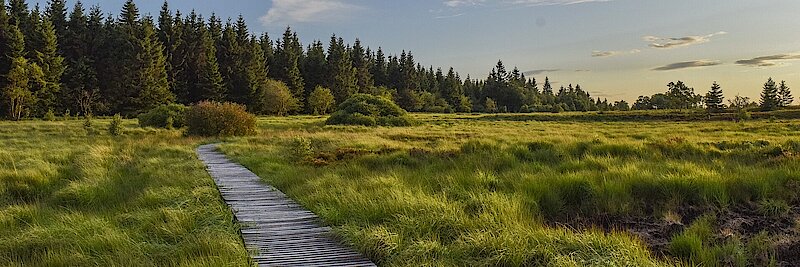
613,48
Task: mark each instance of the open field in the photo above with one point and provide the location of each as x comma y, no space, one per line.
483,190
142,199
474,190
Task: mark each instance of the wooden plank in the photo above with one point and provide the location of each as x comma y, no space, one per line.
281,230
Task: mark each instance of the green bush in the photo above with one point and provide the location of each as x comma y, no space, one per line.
50,116
160,117
219,119
115,128
370,110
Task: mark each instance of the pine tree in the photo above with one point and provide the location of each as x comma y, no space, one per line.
379,69
52,66
57,13
153,88
258,78
361,63
769,96
269,53
341,76
287,64
314,69
785,95
714,98
5,46
197,75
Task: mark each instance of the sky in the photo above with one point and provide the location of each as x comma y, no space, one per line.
616,49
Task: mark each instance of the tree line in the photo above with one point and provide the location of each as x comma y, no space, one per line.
85,62
82,61
680,96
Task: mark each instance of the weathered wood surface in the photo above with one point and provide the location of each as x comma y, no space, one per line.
280,231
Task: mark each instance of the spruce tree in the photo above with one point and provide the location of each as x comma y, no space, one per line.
314,69
230,57
769,96
341,78
5,46
287,64
379,69
785,95
57,13
256,103
153,89
361,62
52,66
269,53
714,98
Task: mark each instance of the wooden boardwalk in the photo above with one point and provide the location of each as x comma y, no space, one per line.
281,231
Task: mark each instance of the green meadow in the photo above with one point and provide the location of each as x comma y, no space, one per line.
477,190
72,197
454,190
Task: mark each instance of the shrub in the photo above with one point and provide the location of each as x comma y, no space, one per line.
115,128
87,121
50,116
370,110
278,100
160,117
320,101
219,119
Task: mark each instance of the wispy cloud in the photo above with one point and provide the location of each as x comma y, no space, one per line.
537,72
461,3
768,61
688,64
597,53
667,43
553,2
449,16
306,11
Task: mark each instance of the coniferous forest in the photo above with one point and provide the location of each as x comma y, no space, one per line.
86,62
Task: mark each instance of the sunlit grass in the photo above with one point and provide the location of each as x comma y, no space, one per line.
462,190
69,197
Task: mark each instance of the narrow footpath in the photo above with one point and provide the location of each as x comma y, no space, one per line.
280,231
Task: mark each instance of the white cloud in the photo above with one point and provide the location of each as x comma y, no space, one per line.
553,2
667,43
306,10
461,3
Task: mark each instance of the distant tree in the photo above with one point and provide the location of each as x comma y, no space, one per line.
379,73
490,105
362,64
21,77
287,63
714,98
151,82
770,100
785,95
56,13
321,101
279,100
314,69
341,78
52,66
681,96
621,105
739,102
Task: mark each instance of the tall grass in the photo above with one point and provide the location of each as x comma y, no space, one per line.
72,198
458,190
